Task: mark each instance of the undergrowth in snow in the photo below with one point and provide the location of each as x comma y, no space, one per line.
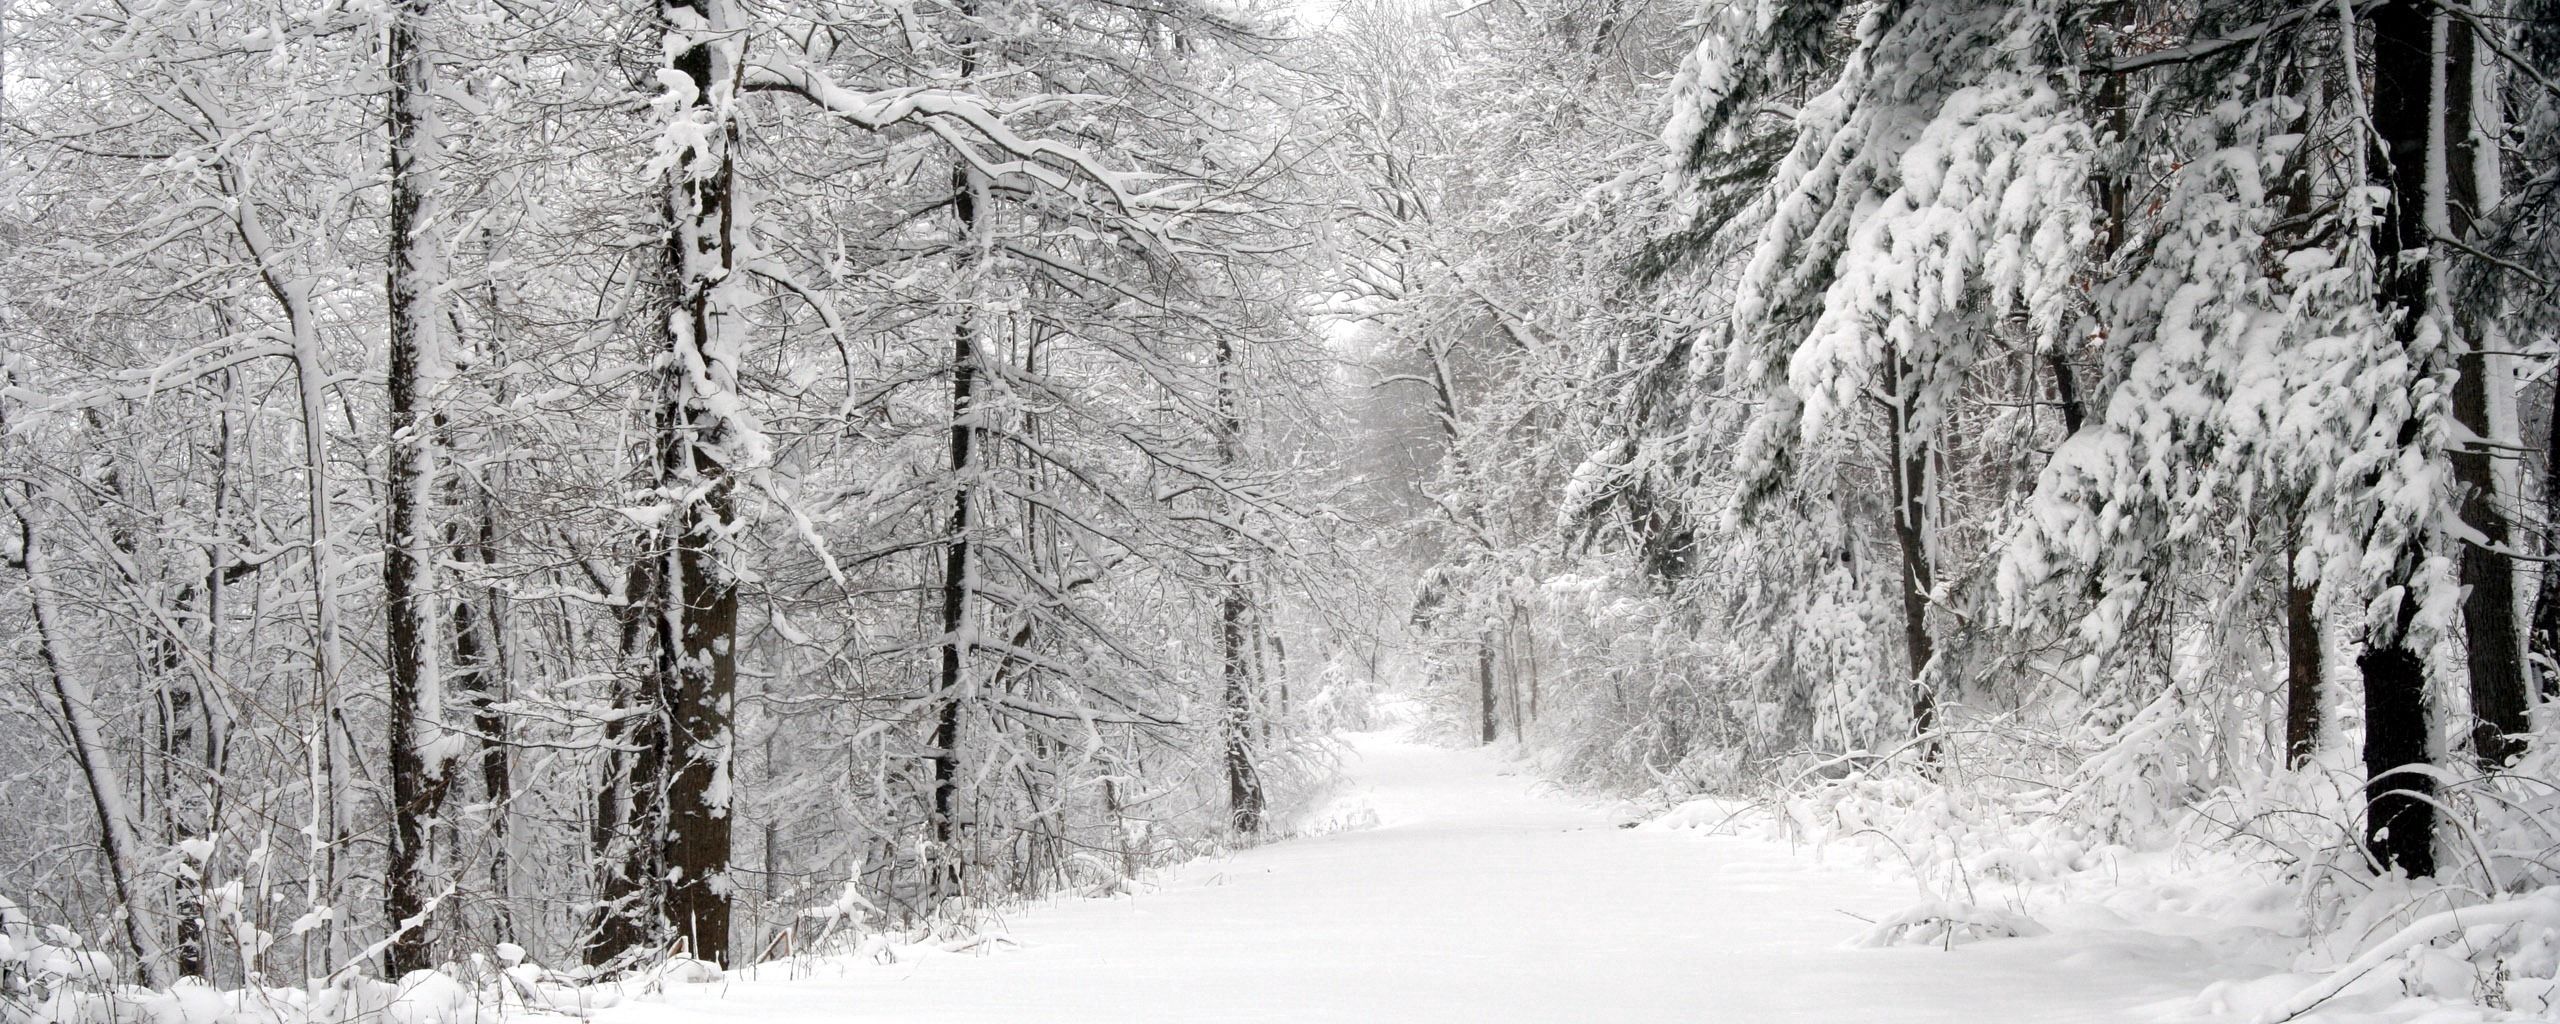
2149,833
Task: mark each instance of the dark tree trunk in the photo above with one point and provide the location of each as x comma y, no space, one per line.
480,614
2399,812
620,839
1236,645
1279,666
2499,701
1484,686
947,876
2538,36
2399,819
2303,665
1529,668
181,744
2306,650
1909,458
698,673
477,669
2497,651
1511,673
1244,783
622,842
2546,602
2066,393
2107,187
692,604
418,781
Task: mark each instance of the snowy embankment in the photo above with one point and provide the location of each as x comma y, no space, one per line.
2010,868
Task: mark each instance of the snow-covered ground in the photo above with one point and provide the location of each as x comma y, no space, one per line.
1480,895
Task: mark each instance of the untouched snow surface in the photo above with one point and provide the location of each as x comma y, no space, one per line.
1478,896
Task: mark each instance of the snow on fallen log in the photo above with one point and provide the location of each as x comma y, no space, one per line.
2543,907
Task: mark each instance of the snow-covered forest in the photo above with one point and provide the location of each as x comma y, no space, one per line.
650,488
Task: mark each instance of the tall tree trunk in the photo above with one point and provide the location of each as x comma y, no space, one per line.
2399,809
1235,645
629,809
2107,187
1511,670
480,639
1909,458
948,878
1444,392
705,441
201,818
187,741
1277,671
1529,649
326,755
2306,647
2483,403
1244,783
2409,57
329,758
2546,601
478,652
419,775
184,737
2303,663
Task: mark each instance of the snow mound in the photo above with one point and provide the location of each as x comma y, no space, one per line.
1946,924
1346,812
1712,813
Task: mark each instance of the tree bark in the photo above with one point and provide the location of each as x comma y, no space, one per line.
948,878
478,651
2546,602
622,838
2483,393
2399,809
419,776
694,600
1909,459
2407,120
1277,670
480,639
186,821
1237,649
2303,665
1244,783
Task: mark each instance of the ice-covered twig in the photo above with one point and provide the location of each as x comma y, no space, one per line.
936,109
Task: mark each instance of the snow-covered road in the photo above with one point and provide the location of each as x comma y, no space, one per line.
1477,898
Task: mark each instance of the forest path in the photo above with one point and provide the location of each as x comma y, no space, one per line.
1479,896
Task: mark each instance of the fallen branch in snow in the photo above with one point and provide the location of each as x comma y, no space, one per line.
1946,925
2541,905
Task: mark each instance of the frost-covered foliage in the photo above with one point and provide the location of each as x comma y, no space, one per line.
896,458
1486,294
48,976
820,472
2024,430
1927,210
